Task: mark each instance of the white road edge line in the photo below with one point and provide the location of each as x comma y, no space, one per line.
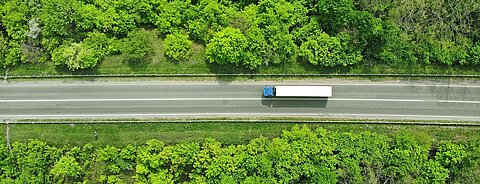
458,101
375,99
235,114
208,99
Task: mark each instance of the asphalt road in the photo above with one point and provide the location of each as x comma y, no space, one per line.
379,100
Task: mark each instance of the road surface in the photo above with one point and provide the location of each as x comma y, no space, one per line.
376,100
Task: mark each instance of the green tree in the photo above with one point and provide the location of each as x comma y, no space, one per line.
210,150
406,158
163,176
7,167
58,18
432,172
85,54
87,17
334,14
15,16
113,161
75,56
3,50
247,22
474,54
20,23
275,19
325,50
280,13
100,43
137,46
362,156
66,170
432,19
298,155
393,47
280,47
208,17
441,32
304,156
170,16
227,166
227,46
151,162
114,17
377,8
178,47
256,49
301,34
145,10
454,157
32,161
13,55
182,157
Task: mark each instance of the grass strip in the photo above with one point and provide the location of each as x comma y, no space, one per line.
229,133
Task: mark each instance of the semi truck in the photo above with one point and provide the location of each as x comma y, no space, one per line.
297,91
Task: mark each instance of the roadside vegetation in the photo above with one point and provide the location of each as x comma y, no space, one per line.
266,36
122,134
302,154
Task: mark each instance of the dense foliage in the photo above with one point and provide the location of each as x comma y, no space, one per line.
300,155
137,46
177,47
250,33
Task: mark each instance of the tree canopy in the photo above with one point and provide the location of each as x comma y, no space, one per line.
178,47
327,33
299,155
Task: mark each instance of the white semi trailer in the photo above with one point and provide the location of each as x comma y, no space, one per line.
297,91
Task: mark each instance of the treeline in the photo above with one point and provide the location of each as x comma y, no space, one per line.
300,155
248,33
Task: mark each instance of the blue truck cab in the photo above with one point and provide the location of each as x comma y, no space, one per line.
269,91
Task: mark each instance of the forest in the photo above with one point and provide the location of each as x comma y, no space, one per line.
298,155
79,34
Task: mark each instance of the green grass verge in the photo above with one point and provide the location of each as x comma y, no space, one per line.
228,133
158,63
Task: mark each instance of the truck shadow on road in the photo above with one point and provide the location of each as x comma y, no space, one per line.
295,102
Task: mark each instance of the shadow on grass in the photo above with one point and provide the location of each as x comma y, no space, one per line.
305,67
300,66
226,69
139,65
64,70
175,62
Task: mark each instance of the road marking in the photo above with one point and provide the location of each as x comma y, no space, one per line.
457,101
208,99
375,99
238,114
128,99
407,115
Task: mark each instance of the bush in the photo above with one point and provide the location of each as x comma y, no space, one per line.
178,47
137,46
75,56
325,50
227,46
